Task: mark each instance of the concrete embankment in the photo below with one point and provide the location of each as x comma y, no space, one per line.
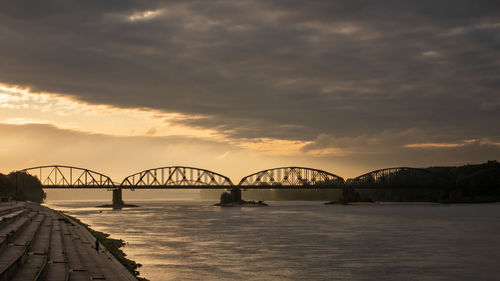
37,243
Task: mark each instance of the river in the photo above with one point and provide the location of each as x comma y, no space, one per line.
193,240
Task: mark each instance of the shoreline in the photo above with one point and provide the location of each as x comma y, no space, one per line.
112,245
367,203
242,203
118,206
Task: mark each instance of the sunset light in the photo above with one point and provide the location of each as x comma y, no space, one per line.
369,129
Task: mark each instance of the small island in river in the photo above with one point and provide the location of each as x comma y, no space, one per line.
242,203
124,205
233,199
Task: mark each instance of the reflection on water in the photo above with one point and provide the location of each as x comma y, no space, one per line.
193,240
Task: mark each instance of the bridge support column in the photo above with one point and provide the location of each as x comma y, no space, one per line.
455,194
236,194
349,194
117,198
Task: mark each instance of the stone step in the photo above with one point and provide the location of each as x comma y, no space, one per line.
97,264
57,264
36,260
25,237
55,271
9,207
8,217
8,232
31,269
77,268
12,257
107,266
41,245
14,254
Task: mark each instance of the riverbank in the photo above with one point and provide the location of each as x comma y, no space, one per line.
448,202
40,243
112,245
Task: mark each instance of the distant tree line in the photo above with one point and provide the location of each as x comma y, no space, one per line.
21,186
473,182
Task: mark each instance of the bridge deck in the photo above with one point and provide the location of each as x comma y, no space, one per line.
202,187
244,187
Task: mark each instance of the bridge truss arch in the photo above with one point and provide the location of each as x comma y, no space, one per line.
60,176
398,177
292,177
176,177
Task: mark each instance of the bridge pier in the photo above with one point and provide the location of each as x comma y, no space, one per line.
236,194
349,194
455,194
117,198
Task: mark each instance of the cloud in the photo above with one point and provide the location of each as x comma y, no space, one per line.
22,106
324,67
411,147
339,85
434,145
379,143
463,143
28,145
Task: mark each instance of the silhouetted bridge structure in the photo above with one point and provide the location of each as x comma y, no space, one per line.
180,177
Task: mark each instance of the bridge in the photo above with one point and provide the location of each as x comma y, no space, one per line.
180,177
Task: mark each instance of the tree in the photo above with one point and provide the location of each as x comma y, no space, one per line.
226,198
7,189
28,187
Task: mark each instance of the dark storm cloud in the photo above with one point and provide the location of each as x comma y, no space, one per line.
281,69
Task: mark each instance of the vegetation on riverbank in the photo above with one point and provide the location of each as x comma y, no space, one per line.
479,183
113,246
21,186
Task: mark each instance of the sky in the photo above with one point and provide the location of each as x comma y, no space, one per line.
235,87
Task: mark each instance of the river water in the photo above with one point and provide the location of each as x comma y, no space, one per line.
193,240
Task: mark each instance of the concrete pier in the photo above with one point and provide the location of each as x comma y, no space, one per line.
37,243
236,194
117,198
349,194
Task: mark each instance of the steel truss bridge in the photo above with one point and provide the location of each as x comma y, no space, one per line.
179,177
57,176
